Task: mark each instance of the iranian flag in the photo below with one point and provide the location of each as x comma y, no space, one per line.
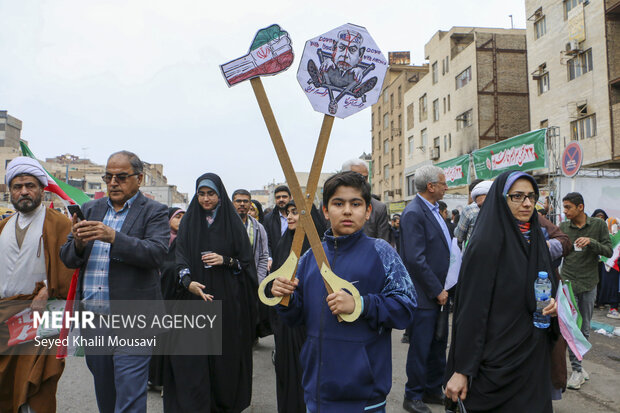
65,191
613,261
270,53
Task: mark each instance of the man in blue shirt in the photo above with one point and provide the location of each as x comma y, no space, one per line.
425,249
119,249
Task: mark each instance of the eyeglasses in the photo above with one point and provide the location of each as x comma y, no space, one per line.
120,178
520,197
242,201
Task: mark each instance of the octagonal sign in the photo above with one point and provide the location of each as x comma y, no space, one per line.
342,71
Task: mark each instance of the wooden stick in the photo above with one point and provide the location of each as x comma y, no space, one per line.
289,173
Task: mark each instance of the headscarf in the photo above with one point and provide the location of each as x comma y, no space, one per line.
25,165
600,211
173,212
493,336
259,209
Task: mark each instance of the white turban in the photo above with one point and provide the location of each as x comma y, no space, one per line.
481,189
25,165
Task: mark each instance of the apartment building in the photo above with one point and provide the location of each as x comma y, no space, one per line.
475,94
388,114
574,65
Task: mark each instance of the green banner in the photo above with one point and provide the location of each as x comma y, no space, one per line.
524,152
456,170
397,207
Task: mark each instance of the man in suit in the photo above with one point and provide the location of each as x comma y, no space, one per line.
378,225
425,250
275,222
119,248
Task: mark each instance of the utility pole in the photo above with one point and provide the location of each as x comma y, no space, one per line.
512,26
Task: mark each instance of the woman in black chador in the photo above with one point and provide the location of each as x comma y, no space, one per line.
499,361
215,383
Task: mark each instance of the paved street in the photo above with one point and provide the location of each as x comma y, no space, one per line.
600,395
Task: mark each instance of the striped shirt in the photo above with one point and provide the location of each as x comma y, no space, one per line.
96,290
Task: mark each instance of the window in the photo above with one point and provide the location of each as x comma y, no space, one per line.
400,153
450,140
423,136
448,103
435,73
463,78
580,64
569,5
435,110
385,96
444,105
372,120
540,27
443,66
544,123
392,102
436,143
410,185
464,120
94,185
379,166
543,83
445,143
386,119
400,96
583,128
386,146
392,130
386,172
399,126
447,64
379,115
409,116
392,157
379,140
423,108
410,143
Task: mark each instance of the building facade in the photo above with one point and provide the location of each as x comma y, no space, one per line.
387,120
474,94
574,65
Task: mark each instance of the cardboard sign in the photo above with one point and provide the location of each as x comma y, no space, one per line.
270,53
342,71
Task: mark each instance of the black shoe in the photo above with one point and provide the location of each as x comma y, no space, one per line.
433,398
415,406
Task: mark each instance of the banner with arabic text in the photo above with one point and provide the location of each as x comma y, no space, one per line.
524,152
456,170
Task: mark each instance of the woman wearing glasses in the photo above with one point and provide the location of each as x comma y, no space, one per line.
215,262
499,361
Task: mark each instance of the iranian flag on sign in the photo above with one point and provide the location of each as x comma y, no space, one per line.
66,192
270,53
613,261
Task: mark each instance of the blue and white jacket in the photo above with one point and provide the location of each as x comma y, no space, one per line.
348,366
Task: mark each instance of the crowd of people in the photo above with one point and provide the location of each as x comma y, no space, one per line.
129,247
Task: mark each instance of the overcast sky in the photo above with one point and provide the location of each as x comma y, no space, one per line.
93,77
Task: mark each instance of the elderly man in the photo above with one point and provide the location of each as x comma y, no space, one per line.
425,250
378,225
467,221
30,269
119,249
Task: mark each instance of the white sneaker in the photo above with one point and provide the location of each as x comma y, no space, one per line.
585,374
576,380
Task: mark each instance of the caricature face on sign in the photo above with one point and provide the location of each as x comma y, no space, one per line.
342,71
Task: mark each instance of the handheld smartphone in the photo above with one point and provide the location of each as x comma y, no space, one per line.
75,209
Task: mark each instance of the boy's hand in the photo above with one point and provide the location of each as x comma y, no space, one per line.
341,302
282,286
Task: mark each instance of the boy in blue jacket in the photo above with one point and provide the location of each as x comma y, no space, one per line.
348,366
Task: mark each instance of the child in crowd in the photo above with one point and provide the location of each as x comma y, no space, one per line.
347,367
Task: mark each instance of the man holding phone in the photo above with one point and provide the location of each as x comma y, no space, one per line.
119,248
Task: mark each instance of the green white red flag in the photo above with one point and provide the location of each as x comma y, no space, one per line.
65,191
613,261
270,53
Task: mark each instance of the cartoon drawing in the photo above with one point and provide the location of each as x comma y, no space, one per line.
270,53
343,62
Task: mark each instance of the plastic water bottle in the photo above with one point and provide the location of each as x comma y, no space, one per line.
542,290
